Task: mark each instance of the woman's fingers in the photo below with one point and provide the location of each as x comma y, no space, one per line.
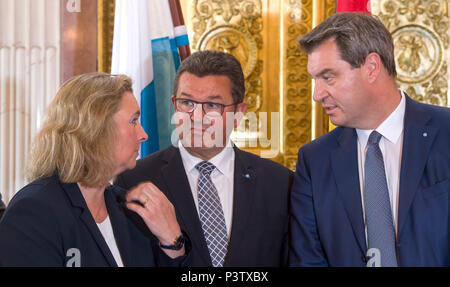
155,209
154,194
138,195
158,214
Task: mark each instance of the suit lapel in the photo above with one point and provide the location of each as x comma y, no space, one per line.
244,187
177,182
120,226
344,161
417,141
77,200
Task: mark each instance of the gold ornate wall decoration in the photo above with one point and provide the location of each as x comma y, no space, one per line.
300,114
105,34
298,21
232,40
420,30
232,26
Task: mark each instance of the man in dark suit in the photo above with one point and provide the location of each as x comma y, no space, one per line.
375,190
232,204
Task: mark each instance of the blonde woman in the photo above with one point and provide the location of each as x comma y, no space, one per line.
69,215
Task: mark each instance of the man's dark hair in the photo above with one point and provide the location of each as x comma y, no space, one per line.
356,35
214,63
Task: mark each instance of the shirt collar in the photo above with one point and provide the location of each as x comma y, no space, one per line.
391,128
223,160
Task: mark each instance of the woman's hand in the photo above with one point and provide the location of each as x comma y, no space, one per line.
158,214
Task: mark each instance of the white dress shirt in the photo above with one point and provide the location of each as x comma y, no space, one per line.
391,147
222,177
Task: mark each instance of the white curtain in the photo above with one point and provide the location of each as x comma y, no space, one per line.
29,78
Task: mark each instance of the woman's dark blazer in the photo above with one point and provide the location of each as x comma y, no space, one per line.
48,223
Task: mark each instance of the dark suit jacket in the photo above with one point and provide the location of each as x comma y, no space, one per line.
2,206
327,218
260,206
47,218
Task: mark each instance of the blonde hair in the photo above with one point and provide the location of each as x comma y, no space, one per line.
76,142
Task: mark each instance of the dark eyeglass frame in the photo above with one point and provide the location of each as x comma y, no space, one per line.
222,106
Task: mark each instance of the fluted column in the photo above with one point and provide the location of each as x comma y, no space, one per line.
29,78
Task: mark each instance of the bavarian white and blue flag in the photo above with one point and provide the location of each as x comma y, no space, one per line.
145,48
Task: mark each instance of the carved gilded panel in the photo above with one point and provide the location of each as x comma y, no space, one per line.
105,34
420,30
302,120
297,121
234,27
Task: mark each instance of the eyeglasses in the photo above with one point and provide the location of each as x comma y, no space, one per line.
212,109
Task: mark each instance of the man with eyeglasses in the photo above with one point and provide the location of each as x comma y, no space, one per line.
232,204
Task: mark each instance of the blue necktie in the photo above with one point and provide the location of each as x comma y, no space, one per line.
211,215
380,227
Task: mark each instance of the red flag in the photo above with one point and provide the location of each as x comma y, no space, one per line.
353,6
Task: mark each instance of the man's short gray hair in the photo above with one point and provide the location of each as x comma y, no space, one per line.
356,35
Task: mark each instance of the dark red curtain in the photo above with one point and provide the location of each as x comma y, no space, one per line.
353,6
